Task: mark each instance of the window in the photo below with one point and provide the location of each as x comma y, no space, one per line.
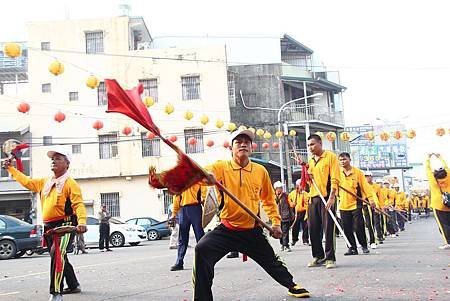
76,148
143,222
191,87
131,221
197,147
167,201
150,88
47,140
94,42
45,46
108,146
150,147
101,94
46,88
73,96
2,224
111,201
231,90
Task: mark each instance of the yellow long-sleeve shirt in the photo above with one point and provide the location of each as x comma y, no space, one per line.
400,201
195,194
437,185
325,172
352,181
53,204
376,192
391,197
425,201
383,197
415,202
300,200
251,185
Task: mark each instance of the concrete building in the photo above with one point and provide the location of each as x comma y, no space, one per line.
111,167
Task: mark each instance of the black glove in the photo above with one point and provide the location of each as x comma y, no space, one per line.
171,222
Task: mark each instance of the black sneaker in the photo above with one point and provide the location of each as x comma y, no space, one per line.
365,250
69,290
298,292
293,243
176,267
351,252
233,255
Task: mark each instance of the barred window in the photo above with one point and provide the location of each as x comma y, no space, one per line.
47,140
197,147
45,46
231,90
150,88
76,148
94,42
150,147
101,94
167,201
46,88
73,96
111,201
108,146
191,87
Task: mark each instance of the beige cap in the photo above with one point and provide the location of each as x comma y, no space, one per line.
62,150
247,133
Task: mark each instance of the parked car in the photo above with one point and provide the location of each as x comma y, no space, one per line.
16,237
120,233
154,228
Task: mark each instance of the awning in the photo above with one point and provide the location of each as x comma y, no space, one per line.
318,84
12,126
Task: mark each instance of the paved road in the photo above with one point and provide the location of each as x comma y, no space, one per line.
409,267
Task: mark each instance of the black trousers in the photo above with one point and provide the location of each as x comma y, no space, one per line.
379,224
104,236
353,221
218,242
443,221
369,221
64,242
320,223
400,220
285,227
391,223
189,215
302,224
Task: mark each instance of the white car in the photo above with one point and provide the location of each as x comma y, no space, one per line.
120,233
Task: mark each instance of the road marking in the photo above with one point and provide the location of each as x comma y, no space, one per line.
89,266
8,294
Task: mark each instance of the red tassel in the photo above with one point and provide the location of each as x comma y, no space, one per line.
58,259
244,257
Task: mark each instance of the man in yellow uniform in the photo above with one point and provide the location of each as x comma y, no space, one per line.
188,206
62,205
353,180
300,199
324,169
370,213
380,219
238,231
400,206
439,182
389,196
426,205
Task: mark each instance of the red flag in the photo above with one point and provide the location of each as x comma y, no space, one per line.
305,176
129,102
17,154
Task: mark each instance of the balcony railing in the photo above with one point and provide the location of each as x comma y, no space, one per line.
315,112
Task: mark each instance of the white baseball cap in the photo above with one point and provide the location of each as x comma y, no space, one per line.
245,132
297,183
277,184
368,173
396,185
64,150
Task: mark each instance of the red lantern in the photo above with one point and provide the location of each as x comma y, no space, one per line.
209,143
126,131
275,145
150,135
23,107
173,138
398,135
192,141
98,124
265,145
254,146
226,144
60,116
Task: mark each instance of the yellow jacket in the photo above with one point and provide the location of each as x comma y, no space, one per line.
355,182
437,185
325,172
400,201
53,204
300,200
195,194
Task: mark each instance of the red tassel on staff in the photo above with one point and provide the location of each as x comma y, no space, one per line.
17,154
